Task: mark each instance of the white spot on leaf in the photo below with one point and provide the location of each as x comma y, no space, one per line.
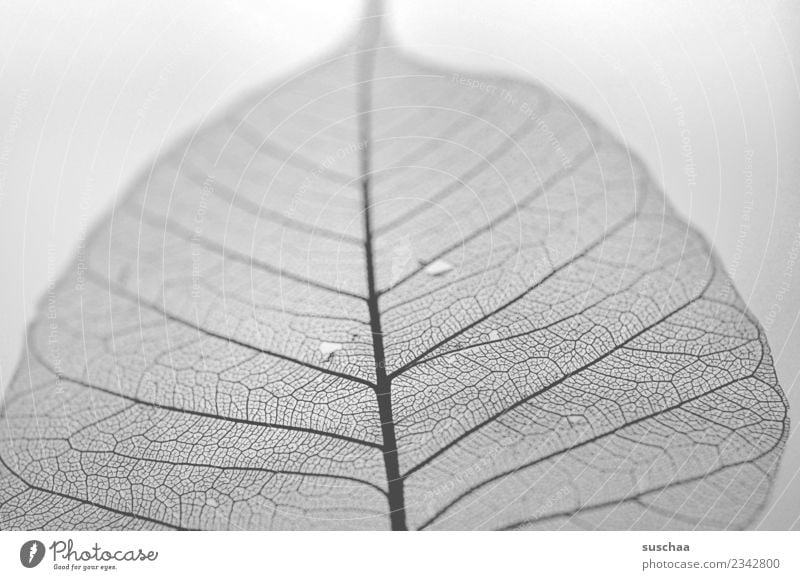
438,267
328,348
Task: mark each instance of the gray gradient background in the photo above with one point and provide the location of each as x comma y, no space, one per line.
91,89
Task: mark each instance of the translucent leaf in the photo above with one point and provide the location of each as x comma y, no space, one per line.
378,294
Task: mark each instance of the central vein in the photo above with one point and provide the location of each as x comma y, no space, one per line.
365,63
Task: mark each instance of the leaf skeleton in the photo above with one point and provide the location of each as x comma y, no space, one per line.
374,296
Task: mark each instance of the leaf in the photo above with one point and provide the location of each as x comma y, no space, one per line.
385,295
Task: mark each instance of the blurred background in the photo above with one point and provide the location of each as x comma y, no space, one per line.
708,93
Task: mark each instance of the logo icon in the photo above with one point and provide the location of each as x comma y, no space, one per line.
31,553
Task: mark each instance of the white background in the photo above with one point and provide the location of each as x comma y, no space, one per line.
91,89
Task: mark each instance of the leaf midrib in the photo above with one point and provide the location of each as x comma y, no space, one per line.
365,63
